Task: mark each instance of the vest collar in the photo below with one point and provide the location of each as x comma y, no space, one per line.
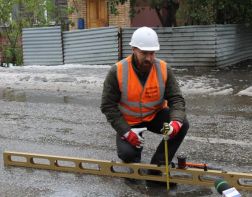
142,76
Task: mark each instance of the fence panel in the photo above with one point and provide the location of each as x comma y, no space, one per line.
213,45
210,45
181,46
233,44
42,46
91,46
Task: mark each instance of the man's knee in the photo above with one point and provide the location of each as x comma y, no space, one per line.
184,127
185,124
126,152
127,155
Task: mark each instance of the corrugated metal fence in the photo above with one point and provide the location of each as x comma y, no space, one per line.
91,46
181,46
214,45
233,44
42,46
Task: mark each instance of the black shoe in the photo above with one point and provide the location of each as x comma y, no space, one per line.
131,181
155,184
136,182
158,183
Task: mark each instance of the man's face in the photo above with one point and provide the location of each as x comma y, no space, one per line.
145,59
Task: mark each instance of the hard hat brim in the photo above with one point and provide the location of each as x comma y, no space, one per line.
157,48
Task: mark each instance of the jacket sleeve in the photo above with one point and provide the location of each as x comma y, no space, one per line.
111,96
173,95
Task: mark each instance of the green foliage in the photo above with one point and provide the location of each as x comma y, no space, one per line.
205,12
158,6
233,11
200,13
18,14
197,12
114,3
13,55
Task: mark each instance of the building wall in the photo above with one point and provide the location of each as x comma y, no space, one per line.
122,19
82,12
146,17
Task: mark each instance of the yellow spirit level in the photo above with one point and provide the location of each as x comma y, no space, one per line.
192,176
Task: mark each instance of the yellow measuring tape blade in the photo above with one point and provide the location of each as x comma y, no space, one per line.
167,165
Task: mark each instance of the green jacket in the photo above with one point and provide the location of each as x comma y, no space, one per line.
111,96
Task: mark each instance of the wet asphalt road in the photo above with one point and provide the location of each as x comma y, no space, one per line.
56,111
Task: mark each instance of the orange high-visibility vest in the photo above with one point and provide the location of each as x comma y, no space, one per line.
138,103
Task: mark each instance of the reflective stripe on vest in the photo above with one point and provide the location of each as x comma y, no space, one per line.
150,107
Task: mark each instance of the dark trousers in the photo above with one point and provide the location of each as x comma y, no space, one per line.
127,153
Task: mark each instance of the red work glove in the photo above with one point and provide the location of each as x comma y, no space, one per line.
134,137
171,129
175,127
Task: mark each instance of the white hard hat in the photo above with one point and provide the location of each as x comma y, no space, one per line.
145,39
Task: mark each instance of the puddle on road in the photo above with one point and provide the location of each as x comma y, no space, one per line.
178,191
10,94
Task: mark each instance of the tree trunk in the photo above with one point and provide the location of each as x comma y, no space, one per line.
161,19
172,8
